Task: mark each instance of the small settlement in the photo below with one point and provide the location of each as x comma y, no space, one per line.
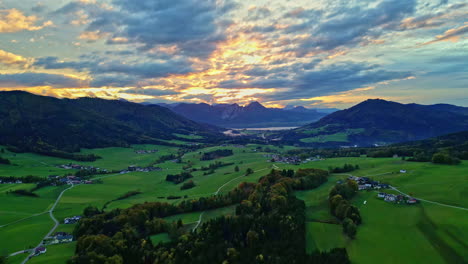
72,220
142,151
365,183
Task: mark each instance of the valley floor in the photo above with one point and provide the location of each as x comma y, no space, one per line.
390,233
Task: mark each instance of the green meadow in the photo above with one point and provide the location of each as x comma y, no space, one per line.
424,233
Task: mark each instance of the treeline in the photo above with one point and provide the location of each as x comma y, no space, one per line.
164,158
23,192
268,227
344,169
216,165
340,206
216,154
48,151
4,161
178,178
327,152
187,185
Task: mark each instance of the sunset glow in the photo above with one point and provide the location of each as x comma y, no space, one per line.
232,51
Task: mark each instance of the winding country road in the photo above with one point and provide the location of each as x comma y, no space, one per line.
56,223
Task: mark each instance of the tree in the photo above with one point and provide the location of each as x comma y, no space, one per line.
91,211
349,228
249,171
236,169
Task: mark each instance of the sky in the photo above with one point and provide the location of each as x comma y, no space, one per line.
315,53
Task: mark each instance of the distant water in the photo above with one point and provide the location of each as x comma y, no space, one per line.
265,128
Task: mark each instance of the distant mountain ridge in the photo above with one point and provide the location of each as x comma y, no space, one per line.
377,121
40,124
251,115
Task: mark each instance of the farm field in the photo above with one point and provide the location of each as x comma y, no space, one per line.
424,233
151,185
428,229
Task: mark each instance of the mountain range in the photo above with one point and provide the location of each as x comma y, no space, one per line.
251,115
45,124
380,122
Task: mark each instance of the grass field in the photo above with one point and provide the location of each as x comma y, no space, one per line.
402,232
425,233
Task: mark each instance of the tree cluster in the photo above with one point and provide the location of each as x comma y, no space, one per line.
340,206
187,185
216,154
268,227
4,161
344,169
178,178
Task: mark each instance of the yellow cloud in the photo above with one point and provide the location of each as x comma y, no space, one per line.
92,36
12,20
9,58
449,35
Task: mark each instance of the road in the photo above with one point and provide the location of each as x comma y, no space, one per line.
56,223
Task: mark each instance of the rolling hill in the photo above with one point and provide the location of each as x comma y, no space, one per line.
252,115
380,122
45,124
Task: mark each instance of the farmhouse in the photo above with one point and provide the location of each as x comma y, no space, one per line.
66,238
40,250
72,220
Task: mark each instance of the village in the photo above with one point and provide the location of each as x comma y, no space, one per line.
295,160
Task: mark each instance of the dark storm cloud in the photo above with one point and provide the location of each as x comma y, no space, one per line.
38,79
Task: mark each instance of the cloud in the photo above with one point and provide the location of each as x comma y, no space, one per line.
145,70
39,79
195,27
257,13
349,26
151,92
13,20
326,80
8,58
55,63
449,35
424,21
98,66
92,36
114,80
